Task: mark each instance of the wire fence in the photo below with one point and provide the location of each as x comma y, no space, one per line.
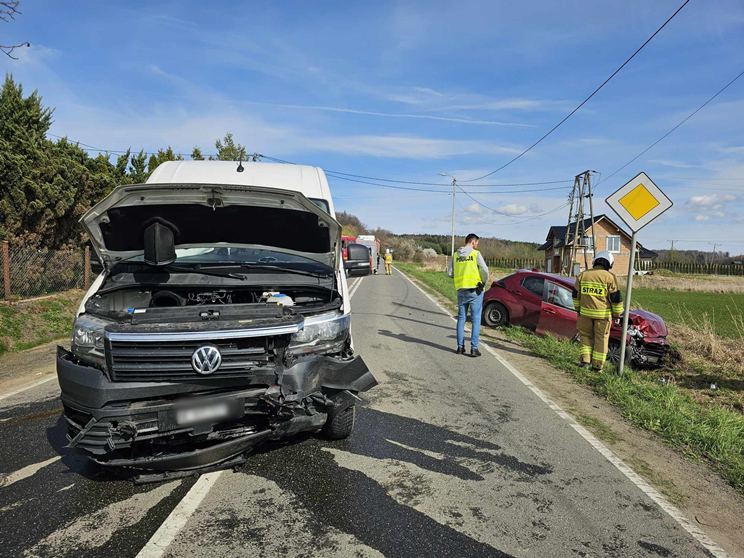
29,273
515,263
694,269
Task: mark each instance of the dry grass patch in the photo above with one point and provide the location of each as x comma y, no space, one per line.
690,283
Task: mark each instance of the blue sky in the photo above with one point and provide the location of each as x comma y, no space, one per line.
406,90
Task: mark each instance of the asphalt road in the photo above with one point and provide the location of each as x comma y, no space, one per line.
451,456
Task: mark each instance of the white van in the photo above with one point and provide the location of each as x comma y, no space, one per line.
221,319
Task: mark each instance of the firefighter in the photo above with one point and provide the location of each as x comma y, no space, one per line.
597,299
388,262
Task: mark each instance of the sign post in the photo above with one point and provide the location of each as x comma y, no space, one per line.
637,203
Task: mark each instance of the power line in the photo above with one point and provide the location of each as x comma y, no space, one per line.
440,191
554,128
673,129
440,184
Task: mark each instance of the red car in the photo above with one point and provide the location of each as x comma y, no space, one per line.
542,302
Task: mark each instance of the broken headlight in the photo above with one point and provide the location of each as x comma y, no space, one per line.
87,339
321,333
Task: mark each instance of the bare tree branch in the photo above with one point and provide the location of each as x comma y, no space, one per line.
7,50
8,11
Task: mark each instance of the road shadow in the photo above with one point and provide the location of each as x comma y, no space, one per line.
401,318
435,312
501,345
414,340
354,503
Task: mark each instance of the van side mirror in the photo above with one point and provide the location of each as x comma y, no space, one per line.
160,247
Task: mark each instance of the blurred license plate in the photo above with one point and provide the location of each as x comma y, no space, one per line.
202,414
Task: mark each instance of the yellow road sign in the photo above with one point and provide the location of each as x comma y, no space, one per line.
639,202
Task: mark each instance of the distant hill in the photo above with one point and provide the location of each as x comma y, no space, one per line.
408,245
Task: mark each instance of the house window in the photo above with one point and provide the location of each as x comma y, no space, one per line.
613,244
587,243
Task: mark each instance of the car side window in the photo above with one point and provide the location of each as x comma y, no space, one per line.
534,285
560,296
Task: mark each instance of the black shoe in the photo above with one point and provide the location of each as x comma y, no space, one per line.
460,351
475,353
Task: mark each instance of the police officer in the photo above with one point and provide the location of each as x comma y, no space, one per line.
388,262
598,300
470,272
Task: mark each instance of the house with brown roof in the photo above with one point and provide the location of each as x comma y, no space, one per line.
560,242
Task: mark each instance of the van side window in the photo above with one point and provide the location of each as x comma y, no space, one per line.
322,204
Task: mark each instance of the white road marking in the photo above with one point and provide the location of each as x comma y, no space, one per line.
649,490
158,543
166,533
66,488
27,387
26,472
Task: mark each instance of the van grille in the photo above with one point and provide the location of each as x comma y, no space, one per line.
152,361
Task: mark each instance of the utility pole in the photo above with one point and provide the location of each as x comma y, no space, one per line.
582,189
713,256
671,251
454,192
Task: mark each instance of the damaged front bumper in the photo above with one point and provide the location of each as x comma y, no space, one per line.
181,426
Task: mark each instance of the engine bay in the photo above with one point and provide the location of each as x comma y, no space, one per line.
130,300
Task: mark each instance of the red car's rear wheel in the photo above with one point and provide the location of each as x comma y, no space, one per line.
495,314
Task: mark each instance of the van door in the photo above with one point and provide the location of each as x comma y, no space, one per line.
557,314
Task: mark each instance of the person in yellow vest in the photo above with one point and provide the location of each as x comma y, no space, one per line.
598,300
470,272
388,262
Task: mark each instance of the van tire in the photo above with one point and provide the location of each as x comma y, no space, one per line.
339,426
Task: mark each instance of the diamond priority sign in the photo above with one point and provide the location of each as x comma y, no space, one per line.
639,202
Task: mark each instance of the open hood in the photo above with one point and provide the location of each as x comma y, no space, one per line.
204,214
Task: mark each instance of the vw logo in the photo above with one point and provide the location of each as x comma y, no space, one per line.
206,359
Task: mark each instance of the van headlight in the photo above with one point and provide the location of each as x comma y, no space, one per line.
87,339
321,333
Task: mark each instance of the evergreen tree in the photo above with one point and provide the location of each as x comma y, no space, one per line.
229,151
196,154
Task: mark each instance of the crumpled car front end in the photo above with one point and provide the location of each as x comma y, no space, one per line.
647,342
174,421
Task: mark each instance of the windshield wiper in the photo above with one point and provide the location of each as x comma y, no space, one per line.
248,267
181,269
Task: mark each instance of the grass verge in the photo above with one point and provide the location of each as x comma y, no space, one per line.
29,324
698,430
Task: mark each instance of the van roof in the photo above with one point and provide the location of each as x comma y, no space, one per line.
301,178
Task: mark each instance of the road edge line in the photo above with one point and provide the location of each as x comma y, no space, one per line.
27,387
671,510
169,529
172,525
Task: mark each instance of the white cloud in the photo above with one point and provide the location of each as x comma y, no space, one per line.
675,164
733,149
711,201
719,214
35,54
701,217
512,209
386,114
535,208
405,147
